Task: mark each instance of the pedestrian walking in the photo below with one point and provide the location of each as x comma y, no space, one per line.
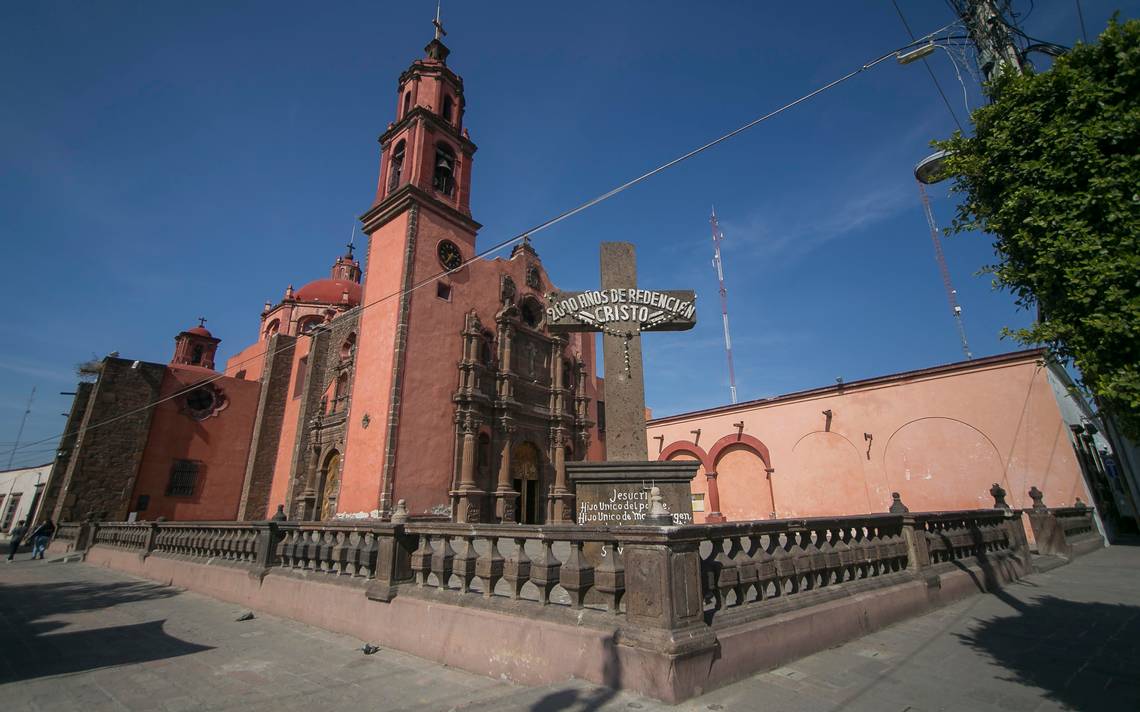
17,535
41,537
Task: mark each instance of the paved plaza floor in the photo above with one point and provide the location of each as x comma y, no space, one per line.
75,637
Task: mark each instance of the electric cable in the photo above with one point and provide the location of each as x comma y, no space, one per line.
930,71
502,244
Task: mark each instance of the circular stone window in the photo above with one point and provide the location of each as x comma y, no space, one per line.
205,401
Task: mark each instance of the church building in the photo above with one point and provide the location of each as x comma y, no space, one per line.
428,380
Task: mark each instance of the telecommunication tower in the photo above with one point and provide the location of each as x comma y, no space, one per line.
717,238
951,293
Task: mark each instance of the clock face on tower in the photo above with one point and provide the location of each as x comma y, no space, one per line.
449,255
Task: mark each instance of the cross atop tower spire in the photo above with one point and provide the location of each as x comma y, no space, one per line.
202,321
439,31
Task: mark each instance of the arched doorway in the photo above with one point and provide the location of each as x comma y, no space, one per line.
525,463
330,485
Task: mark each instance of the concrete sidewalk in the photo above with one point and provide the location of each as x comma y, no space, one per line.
74,637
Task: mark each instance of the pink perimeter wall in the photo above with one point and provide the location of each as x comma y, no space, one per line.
940,437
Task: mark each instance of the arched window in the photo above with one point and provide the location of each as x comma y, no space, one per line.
396,166
447,107
272,328
196,356
347,347
443,179
407,104
308,324
531,312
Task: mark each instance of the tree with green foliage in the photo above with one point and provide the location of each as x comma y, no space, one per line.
1053,174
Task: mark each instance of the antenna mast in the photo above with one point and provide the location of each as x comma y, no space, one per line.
717,238
951,293
20,432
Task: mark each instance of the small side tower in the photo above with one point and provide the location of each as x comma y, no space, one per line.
195,347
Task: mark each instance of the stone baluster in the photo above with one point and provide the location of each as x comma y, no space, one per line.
465,563
517,568
609,577
746,568
421,560
338,553
544,571
576,576
765,567
442,562
489,567
785,569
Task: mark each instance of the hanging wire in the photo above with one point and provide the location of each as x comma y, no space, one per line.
527,233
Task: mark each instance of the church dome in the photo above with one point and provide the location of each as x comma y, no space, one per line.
200,331
330,291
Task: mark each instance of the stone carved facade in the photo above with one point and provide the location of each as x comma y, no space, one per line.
520,413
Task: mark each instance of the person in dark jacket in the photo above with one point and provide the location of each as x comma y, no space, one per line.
42,537
17,535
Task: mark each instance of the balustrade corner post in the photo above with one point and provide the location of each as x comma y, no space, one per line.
917,553
1018,540
92,534
148,542
663,597
394,547
265,547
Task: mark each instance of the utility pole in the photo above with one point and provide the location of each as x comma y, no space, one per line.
991,37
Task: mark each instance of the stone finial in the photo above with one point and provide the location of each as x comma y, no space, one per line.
1038,498
998,493
897,506
659,515
1079,504
400,515
280,515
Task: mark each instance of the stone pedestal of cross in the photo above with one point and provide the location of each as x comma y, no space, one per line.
616,491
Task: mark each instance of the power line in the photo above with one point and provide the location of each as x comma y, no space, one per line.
527,233
929,71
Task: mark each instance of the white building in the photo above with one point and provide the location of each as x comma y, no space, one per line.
20,493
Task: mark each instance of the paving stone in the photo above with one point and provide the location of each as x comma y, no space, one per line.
83,638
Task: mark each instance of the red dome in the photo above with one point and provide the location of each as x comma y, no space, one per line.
200,331
329,291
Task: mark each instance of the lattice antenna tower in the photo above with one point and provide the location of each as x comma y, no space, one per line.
951,293
717,238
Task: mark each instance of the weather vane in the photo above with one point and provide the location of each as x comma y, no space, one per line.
439,31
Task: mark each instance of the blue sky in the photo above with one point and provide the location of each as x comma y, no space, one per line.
161,161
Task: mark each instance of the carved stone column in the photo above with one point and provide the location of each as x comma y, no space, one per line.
505,495
468,496
562,504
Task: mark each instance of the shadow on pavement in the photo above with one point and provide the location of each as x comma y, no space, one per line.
1082,655
572,700
30,647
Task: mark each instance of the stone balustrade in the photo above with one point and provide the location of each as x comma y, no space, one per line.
1064,531
670,579
121,535
68,532
970,534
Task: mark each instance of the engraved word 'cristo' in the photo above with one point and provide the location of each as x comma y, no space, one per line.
673,310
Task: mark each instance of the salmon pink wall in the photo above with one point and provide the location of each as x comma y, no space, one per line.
220,442
940,437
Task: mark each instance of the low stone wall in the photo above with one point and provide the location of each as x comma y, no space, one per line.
1064,531
667,612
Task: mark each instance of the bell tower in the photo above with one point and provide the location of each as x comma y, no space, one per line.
427,146
419,229
195,347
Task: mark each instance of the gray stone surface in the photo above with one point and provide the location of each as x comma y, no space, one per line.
76,637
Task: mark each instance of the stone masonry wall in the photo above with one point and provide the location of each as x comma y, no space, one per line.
275,380
105,461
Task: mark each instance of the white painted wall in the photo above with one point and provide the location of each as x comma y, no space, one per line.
20,482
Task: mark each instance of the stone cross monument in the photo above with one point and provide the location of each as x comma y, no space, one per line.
617,491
